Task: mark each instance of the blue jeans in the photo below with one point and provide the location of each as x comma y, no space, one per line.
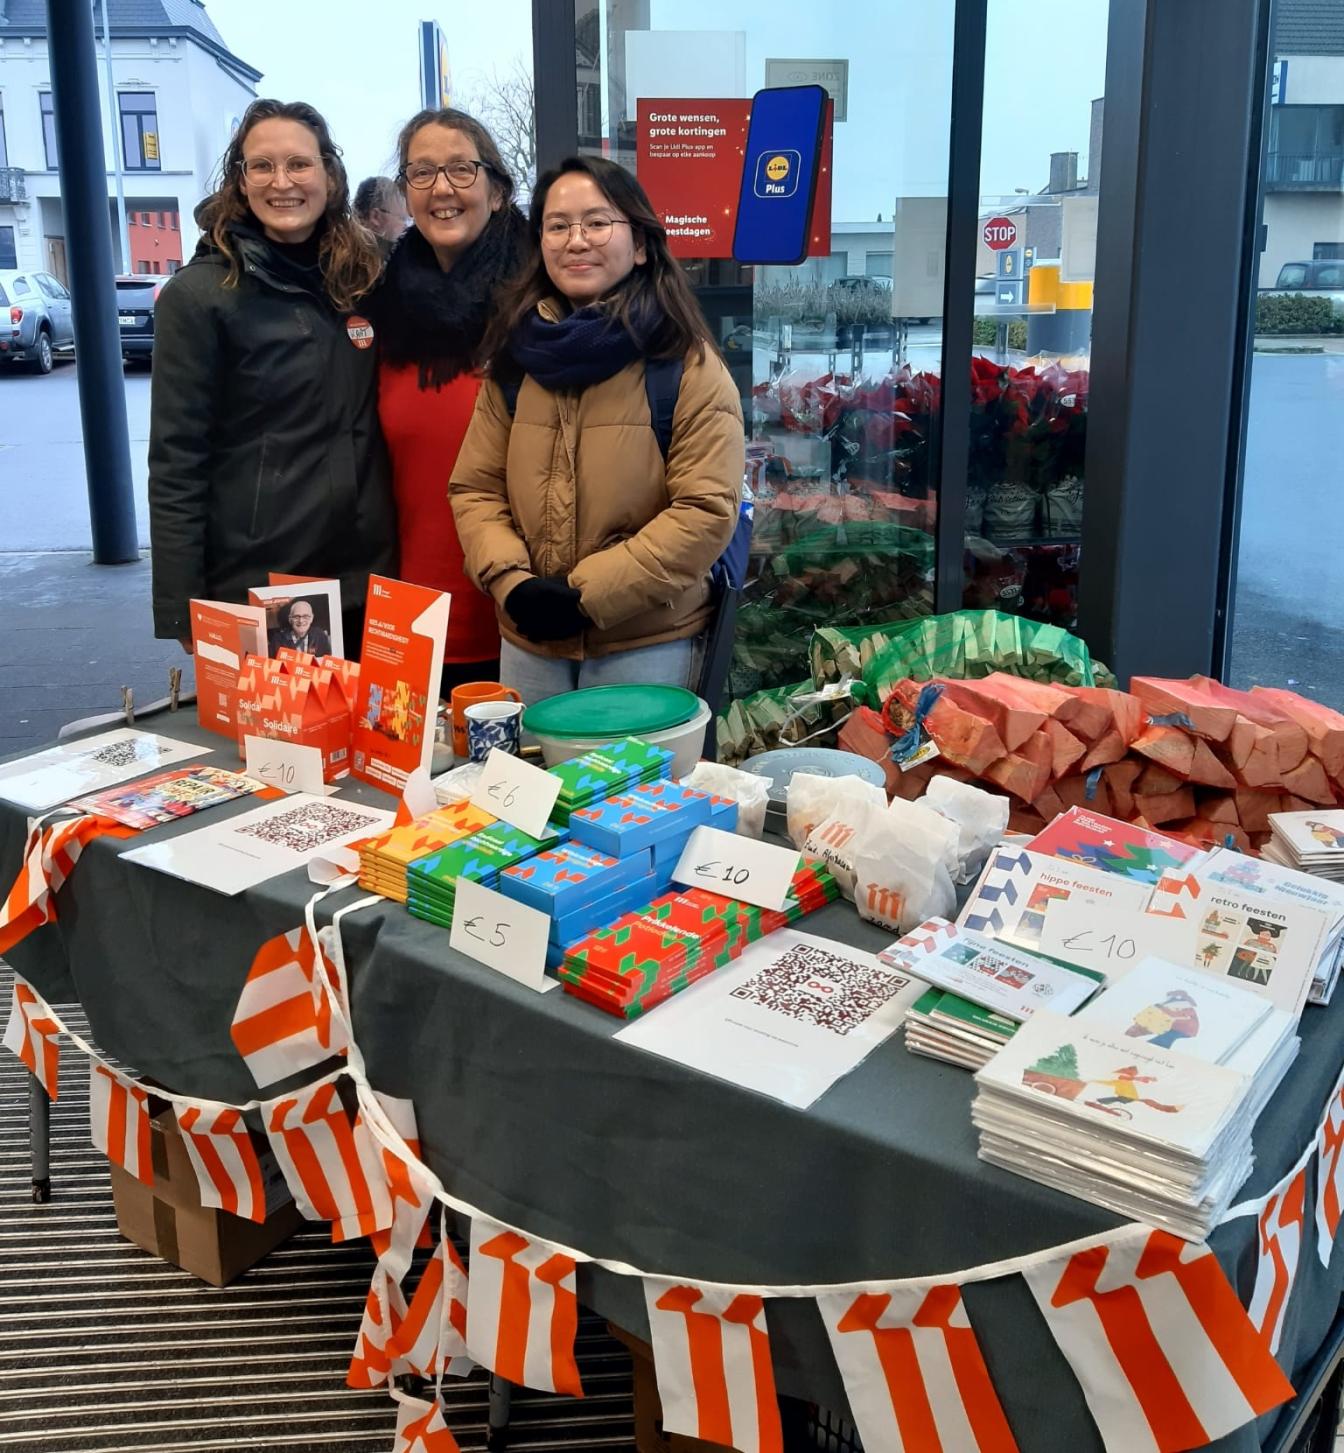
535,677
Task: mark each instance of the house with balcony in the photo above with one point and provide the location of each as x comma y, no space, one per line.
179,93
1304,167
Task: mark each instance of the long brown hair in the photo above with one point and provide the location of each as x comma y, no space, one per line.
348,254
655,303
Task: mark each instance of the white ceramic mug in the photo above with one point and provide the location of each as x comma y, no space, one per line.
493,724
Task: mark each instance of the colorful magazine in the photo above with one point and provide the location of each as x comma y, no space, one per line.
168,796
1111,846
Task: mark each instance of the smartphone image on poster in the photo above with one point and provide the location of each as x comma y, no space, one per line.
779,174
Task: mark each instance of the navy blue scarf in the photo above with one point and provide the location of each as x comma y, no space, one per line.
586,347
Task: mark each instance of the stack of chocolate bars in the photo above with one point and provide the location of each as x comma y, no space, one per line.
606,772
431,882
645,957
384,860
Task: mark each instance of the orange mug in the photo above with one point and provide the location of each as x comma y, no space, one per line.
470,694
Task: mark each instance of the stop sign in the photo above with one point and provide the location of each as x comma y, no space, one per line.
999,233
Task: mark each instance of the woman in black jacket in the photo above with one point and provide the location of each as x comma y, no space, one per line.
264,448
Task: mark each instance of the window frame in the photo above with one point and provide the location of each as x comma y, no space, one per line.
138,115
50,146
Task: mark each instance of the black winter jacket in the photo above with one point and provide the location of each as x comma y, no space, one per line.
264,447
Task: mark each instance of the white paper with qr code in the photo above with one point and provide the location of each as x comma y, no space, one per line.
89,764
789,1018
243,851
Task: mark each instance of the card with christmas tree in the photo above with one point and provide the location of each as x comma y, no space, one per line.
1111,846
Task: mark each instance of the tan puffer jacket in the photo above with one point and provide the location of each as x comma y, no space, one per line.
574,487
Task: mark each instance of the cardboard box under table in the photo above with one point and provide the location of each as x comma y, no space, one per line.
168,1219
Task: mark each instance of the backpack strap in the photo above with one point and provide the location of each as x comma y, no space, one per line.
662,386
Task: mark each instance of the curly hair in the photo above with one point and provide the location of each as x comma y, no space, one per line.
348,254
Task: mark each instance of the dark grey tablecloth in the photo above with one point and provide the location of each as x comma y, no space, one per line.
530,1110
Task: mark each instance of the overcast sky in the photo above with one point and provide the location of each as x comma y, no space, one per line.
1045,63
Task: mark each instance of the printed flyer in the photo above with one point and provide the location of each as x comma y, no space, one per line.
405,627
223,636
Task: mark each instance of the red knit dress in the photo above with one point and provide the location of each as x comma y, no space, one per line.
424,429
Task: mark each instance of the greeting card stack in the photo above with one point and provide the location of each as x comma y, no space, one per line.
431,881
1311,841
645,957
990,989
384,861
1143,1102
606,772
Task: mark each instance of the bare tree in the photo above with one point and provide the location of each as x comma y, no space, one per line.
505,104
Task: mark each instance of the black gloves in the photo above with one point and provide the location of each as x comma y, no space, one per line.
546,610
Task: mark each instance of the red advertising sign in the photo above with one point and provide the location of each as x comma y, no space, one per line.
999,233
690,163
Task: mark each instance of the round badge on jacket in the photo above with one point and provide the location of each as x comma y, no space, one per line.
360,331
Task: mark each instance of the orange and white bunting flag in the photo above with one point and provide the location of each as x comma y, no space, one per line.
421,1428
49,857
119,1121
228,1169
913,1371
330,1161
712,1356
410,1187
371,1364
1279,1232
1329,1176
522,1311
283,1022
1159,1342
31,1034
430,1340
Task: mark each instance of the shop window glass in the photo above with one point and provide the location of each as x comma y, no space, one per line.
1287,621
1035,266
9,255
837,365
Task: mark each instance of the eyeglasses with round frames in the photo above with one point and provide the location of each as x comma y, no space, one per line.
460,174
596,231
261,169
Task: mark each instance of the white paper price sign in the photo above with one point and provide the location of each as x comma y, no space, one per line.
500,933
285,765
1112,941
516,792
737,867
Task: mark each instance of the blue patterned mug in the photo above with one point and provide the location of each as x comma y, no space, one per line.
493,724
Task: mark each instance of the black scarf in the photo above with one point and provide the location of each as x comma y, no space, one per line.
437,319
585,347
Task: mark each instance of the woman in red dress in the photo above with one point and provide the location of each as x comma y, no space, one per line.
430,313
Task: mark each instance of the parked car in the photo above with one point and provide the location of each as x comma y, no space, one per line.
136,296
1322,277
40,323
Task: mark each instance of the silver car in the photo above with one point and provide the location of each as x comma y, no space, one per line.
35,319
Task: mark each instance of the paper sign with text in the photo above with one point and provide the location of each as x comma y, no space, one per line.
285,765
516,792
500,933
1113,941
737,867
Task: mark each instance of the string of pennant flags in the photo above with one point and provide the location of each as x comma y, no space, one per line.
1166,1355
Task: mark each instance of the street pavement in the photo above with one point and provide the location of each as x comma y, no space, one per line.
75,633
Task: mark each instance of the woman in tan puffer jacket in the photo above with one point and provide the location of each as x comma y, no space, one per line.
596,552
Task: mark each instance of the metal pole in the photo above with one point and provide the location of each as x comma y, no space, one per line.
88,236
118,159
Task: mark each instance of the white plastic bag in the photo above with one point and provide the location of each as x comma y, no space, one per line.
898,886
924,832
838,838
750,792
980,817
812,799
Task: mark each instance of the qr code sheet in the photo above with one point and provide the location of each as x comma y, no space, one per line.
816,987
304,828
125,754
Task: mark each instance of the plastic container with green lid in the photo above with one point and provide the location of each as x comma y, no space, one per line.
664,716
611,711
